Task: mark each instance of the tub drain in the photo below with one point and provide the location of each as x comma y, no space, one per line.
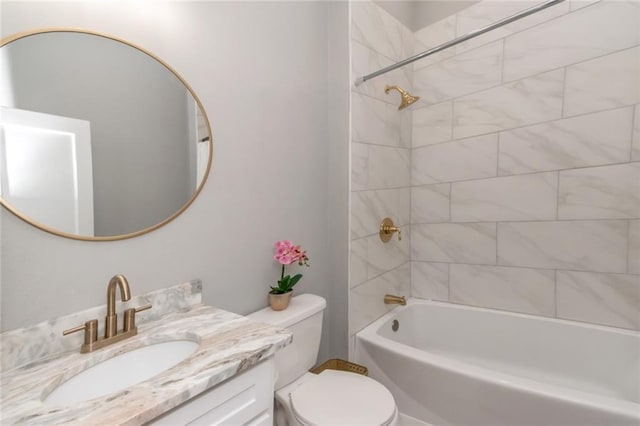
395,325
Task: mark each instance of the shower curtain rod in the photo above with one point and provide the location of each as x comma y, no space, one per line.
460,39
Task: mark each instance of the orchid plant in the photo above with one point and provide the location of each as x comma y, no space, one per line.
286,254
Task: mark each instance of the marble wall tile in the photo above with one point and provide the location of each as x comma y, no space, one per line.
609,299
358,262
365,60
579,4
430,280
524,197
430,203
359,166
606,192
408,42
388,167
368,208
470,158
525,290
591,32
366,300
634,247
378,167
472,71
486,13
433,124
374,121
607,82
433,36
598,246
406,127
635,147
375,28
586,140
451,242
383,257
528,101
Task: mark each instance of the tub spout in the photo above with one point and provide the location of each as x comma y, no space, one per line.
391,299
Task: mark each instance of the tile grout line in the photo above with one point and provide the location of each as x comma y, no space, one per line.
510,129
527,173
536,268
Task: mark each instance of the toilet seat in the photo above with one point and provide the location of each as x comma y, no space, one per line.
339,397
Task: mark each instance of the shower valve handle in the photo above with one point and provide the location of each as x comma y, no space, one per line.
387,228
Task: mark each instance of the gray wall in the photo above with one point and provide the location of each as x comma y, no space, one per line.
416,15
138,116
265,92
338,84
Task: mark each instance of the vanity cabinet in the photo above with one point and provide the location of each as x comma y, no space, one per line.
245,399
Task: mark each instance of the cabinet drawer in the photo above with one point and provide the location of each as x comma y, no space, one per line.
244,399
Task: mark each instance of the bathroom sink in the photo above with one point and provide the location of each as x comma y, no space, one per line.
120,372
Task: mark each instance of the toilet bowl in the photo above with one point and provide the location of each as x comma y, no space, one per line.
337,398
331,397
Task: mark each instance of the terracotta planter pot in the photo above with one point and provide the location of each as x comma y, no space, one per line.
279,302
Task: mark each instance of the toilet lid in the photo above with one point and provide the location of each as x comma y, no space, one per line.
342,398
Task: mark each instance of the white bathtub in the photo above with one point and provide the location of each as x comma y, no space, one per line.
452,364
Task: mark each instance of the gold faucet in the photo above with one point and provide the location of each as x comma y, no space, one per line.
111,335
391,299
111,320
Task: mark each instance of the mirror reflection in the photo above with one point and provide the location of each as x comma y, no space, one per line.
98,139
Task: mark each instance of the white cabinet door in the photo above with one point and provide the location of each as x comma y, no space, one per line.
246,399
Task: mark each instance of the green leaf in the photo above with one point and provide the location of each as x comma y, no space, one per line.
295,279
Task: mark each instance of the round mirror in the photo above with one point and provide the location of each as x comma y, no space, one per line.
99,139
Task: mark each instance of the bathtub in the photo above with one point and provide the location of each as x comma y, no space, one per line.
457,365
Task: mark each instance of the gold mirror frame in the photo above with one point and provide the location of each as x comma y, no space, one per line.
53,231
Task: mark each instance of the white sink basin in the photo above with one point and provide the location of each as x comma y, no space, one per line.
120,372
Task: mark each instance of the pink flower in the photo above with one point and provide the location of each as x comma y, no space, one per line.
286,252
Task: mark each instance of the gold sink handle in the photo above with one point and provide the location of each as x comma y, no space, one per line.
130,317
90,331
387,229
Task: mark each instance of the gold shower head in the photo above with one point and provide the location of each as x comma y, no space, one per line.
407,99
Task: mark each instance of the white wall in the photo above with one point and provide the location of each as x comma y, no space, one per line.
260,70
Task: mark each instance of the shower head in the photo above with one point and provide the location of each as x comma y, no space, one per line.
407,99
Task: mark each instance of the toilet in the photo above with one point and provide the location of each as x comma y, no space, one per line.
331,397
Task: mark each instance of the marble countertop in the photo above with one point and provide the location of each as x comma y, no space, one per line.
229,344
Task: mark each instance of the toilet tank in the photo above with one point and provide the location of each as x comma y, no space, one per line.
304,318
